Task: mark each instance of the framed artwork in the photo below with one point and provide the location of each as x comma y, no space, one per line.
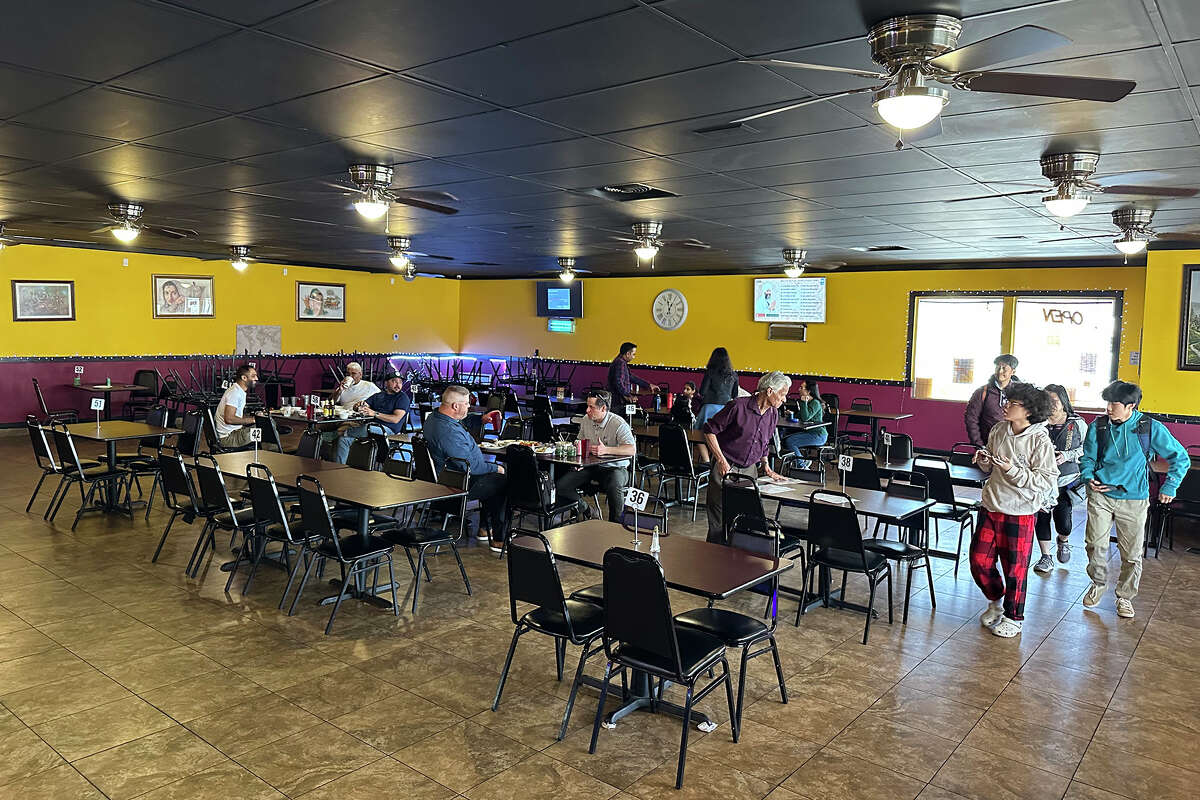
320,302
43,300
1189,319
181,295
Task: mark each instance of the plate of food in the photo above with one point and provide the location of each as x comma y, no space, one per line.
540,448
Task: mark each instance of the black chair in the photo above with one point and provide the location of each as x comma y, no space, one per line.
900,450
220,511
178,491
210,436
538,404
188,443
270,433
813,473
421,537
865,474
271,523
761,537
422,468
962,454
533,578
531,492
354,557
364,455
541,427
676,465
309,445
640,634
1185,506
67,415
143,462
110,481
44,457
837,540
641,522
514,428
947,505
740,497
143,399
913,545
856,430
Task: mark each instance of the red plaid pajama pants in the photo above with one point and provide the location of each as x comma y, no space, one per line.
1009,538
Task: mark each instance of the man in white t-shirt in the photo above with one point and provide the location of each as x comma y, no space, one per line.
233,429
353,389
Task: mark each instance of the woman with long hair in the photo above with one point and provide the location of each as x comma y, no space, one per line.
1067,431
718,386
811,409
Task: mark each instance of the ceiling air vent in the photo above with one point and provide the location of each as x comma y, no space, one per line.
1015,236
879,248
624,192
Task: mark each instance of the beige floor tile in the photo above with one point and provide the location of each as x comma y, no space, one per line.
837,776
120,646
805,717
978,775
251,725
466,690
703,778
973,687
53,784
540,776
1034,704
760,752
927,712
26,642
280,670
160,669
1087,687
202,695
1081,791
1135,776
463,755
49,665
25,754
306,760
385,777
102,727
1149,737
411,665
397,721
225,779
145,764
60,698
10,622
1028,743
886,743
339,692
1159,703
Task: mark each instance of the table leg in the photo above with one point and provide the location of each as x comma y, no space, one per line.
640,690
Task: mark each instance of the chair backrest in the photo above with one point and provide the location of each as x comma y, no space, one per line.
147,378
533,575
674,449
188,442
309,445
514,428
1189,487
833,523
423,468
860,404
364,454
175,480
655,516
637,608
270,433
315,518
962,454
160,417
264,498
865,474
813,473
65,446
209,427
540,405
761,537
901,449
495,402
913,486
937,477
739,497
541,429
37,389
41,447
524,479
213,492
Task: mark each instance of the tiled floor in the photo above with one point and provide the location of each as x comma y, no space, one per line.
121,678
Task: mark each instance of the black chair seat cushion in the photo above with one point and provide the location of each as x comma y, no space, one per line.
948,511
846,560
354,547
560,507
734,629
100,472
892,549
591,594
418,535
587,619
348,518
697,652
239,518
86,463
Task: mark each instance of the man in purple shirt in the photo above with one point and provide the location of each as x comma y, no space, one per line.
739,438
620,382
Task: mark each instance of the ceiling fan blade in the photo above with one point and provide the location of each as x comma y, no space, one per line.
1072,239
927,131
624,239
429,275
990,196
104,229
776,62
412,201
828,266
406,252
433,196
172,233
802,103
1175,236
1039,186
1017,43
1068,87
1150,191
686,243
1140,176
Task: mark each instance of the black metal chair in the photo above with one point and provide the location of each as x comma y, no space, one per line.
178,491
44,457
533,578
364,455
420,537
541,428
640,634
354,557
740,496
144,399
912,548
642,522
108,480
309,445
947,505
1185,506
761,537
531,492
515,428
675,458
270,433
962,454
143,461
900,450
220,511
837,540
270,524
865,474
66,415
188,442
538,404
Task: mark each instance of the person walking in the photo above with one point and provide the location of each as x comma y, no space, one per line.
986,406
718,385
1022,478
1066,429
1116,460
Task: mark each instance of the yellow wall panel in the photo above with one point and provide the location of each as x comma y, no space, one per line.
1166,388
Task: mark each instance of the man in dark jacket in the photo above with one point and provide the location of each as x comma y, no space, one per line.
986,406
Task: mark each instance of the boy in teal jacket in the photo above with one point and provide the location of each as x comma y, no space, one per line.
1116,465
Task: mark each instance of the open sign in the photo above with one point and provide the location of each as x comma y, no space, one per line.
1062,316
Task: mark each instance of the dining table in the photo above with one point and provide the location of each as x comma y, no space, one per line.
112,432
705,569
489,448
874,417
960,474
107,390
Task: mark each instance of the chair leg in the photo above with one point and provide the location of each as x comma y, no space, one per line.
870,608
907,592
600,706
36,489
83,506
163,540
735,711
962,526
303,582
889,580
237,562
417,578
150,499
687,723
292,577
783,698
560,655
929,576
193,564
583,655
259,551
336,604
392,584
512,649
461,568
54,497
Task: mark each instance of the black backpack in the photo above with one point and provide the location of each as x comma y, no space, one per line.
1142,431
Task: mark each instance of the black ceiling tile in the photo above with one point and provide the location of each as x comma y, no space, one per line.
96,184
25,89
885,163
699,184
399,35
263,69
325,159
724,200
645,170
232,138
535,202
550,156
1134,138
531,69
432,172
221,175
787,151
491,131
36,144
924,179
1189,59
488,188
773,25
137,161
743,211
147,190
115,114
241,12
368,107
8,165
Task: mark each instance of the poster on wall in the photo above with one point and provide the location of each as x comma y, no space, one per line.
43,300
320,302
265,339
1189,319
182,295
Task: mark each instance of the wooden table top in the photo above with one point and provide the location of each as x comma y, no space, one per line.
116,430
586,461
101,387
651,432
284,466
690,565
1160,467
966,476
869,502
377,490
320,422
859,412
803,426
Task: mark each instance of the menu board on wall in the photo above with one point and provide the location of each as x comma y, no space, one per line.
789,299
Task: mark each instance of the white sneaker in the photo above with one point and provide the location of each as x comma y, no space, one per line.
993,614
1124,608
1006,628
1093,594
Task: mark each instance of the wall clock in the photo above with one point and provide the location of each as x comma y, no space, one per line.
669,309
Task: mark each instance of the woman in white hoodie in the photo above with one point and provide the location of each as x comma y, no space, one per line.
1022,480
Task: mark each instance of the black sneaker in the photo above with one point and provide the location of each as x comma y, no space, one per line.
1064,551
1044,564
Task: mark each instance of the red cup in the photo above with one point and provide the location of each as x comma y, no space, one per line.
583,448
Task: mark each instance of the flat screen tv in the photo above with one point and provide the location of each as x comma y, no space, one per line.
554,299
789,299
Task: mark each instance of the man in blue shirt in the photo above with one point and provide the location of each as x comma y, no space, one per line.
447,440
388,409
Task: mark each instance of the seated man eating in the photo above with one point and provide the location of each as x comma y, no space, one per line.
606,434
388,408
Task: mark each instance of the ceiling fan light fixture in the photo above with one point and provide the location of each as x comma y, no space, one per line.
646,251
1065,204
399,260
793,270
239,264
239,257
126,233
567,275
1129,244
371,209
910,107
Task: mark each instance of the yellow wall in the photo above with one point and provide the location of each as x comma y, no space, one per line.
864,337
1166,388
113,307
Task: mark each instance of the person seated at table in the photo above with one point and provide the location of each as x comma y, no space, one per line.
447,439
811,409
606,435
233,426
387,408
684,410
353,389
623,385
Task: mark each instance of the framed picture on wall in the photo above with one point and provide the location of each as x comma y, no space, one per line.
43,300
1189,319
320,302
181,295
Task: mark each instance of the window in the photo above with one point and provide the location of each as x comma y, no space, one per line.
1066,338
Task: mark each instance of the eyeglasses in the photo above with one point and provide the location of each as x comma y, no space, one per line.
1014,403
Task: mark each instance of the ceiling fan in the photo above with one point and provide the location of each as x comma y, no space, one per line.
795,263
916,49
648,242
239,257
566,271
400,253
127,224
1136,233
372,186
1073,182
